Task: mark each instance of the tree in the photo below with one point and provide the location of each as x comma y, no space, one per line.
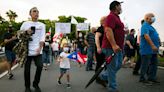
1,19
12,15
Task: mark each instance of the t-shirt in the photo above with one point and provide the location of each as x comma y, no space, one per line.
145,48
113,21
101,30
91,39
46,46
38,37
65,63
55,46
131,39
11,44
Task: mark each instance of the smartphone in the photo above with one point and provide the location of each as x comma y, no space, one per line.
33,29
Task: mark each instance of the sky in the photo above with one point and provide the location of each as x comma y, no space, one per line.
93,10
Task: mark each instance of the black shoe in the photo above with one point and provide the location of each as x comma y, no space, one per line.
10,76
101,82
135,73
59,82
149,83
154,81
37,88
28,90
68,86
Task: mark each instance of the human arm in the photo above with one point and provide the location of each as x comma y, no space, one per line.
150,42
97,40
110,36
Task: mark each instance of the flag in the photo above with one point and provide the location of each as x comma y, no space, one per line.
57,36
81,58
77,56
73,20
49,30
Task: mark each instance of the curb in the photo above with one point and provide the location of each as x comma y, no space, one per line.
160,67
4,73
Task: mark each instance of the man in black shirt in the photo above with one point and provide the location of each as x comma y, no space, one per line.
10,41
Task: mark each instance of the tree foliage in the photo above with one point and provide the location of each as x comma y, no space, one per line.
12,15
49,24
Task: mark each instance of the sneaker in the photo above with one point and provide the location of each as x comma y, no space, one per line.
37,88
68,86
59,82
28,90
48,64
10,76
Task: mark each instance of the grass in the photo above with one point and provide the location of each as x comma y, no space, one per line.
161,61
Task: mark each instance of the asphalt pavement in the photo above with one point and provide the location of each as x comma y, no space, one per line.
79,78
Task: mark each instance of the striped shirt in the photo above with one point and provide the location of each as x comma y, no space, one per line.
91,39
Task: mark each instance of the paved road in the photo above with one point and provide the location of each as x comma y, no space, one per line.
79,77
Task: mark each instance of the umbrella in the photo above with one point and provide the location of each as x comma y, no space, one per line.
108,60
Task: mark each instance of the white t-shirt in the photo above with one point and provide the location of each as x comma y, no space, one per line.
65,63
55,46
38,37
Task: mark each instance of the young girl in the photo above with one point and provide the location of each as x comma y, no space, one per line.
64,65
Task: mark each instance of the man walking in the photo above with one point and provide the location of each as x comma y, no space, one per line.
113,41
37,31
148,49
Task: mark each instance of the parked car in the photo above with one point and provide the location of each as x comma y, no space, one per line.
161,51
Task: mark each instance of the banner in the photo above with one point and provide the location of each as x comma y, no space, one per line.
62,27
82,26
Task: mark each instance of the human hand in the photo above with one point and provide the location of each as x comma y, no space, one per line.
38,51
154,48
29,31
99,51
116,48
14,37
131,47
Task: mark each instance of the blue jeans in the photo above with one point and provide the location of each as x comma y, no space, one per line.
149,64
113,67
46,57
90,54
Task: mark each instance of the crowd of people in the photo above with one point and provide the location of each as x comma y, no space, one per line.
98,44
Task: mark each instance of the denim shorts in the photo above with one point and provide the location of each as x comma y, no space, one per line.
10,56
64,70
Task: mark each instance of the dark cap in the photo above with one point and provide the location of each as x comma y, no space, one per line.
114,4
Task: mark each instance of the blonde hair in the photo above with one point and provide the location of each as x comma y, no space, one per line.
65,44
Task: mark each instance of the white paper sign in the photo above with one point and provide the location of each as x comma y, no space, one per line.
62,27
82,26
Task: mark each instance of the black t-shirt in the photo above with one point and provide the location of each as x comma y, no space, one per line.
80,42
11,44
101,30
46,46
131,39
